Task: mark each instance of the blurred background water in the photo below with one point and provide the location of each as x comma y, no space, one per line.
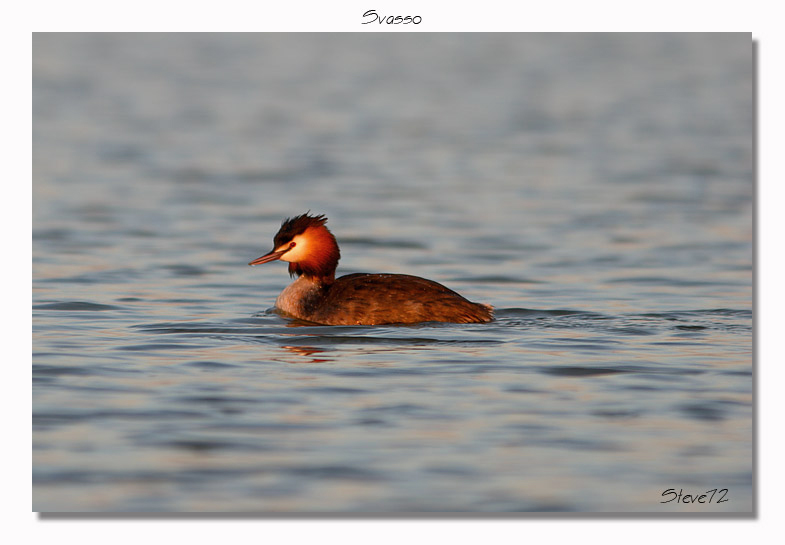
596,189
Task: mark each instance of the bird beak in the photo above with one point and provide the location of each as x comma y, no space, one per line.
270,256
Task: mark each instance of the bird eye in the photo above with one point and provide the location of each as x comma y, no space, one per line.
292,244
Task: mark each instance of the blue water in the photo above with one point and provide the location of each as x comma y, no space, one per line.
595,189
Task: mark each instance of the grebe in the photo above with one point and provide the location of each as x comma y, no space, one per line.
356,299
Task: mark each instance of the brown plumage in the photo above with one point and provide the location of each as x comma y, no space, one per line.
366,299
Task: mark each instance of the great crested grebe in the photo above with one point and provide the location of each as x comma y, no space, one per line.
356,299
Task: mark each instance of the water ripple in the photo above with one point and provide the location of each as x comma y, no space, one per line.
75,305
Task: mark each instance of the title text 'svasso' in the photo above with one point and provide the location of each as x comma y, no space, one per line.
373,17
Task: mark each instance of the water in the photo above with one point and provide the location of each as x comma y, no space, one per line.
596,189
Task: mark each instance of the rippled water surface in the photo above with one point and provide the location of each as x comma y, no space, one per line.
596,190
